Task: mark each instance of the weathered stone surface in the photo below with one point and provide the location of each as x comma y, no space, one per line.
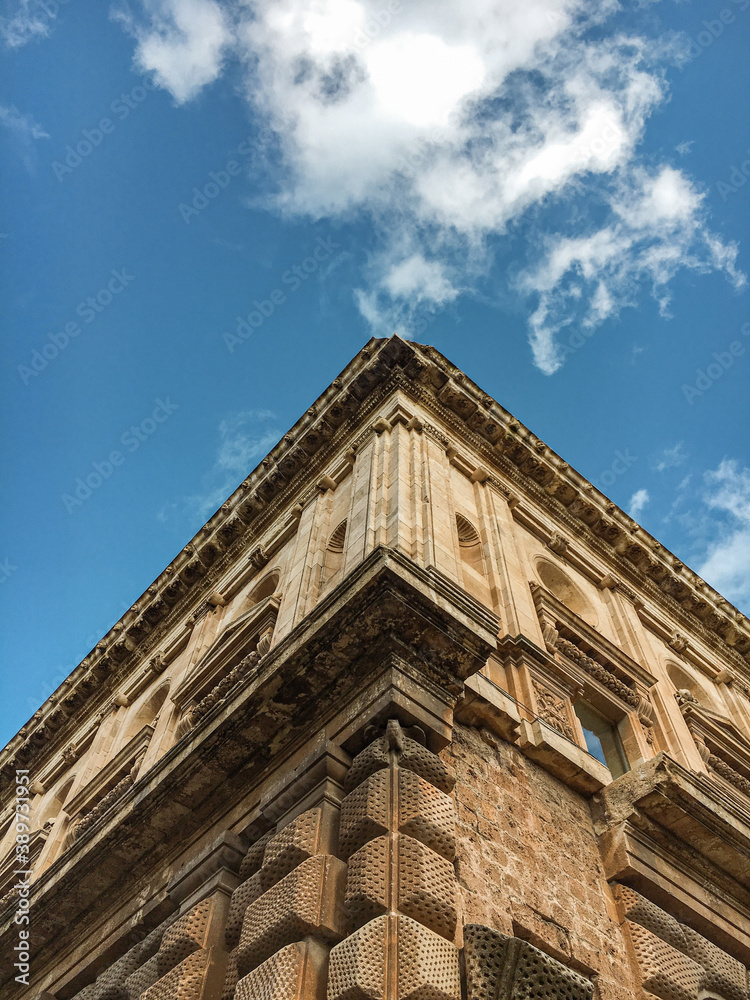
664,971
296,972
307,901
503,968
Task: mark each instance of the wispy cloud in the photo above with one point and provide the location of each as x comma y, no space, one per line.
637,503
243,439
671,458
21,125
450,125
684,147
29,21
726,565
23,133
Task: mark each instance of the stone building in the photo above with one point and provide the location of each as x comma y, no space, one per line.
418,714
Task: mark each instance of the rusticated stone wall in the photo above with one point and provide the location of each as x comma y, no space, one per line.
353,898
528,863
674,962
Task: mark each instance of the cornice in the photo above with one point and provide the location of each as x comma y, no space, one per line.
526,463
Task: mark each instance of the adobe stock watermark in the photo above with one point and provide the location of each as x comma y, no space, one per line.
37,697
712,30
738,176
292,278
22,872
622,462
87,310
722,362
219,180
92,138
131,440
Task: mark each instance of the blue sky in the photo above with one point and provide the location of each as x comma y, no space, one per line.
208,208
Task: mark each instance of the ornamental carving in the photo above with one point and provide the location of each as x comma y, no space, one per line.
677,642
553,711
217,693
599,672
728,773
558,545
83,823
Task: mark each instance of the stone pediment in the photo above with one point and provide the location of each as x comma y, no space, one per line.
721,745
240,637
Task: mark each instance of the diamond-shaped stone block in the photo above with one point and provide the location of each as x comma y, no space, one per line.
426,886
184,982
307,901
364,813
184,936
420,964
426,814
499,967
296,972
367,882
664,971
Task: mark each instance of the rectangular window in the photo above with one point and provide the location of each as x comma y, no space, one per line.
602,739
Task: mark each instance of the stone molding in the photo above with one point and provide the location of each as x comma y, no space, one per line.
531,467
388,607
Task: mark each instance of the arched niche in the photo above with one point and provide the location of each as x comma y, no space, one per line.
685,679
334,554
264,588
472,562
52,804
145,714
559,584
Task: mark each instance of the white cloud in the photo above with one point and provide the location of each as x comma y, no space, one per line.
684,147
24,132
671,458
29,21
450,125
726,565
637,503
22,125
182,42
244,439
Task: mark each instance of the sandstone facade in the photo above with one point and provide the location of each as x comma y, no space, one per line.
418,715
